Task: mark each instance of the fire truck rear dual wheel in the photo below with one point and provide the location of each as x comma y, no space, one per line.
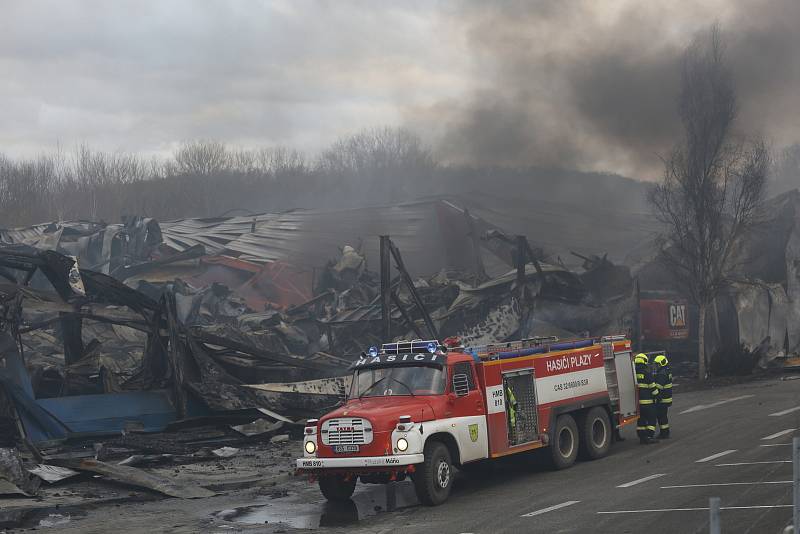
433,478
335,488
595,434
564,446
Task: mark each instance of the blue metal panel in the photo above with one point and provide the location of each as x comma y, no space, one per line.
16,372
110,412
40,425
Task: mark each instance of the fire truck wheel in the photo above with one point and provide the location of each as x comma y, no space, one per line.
595,434
335,488
564,447
433,479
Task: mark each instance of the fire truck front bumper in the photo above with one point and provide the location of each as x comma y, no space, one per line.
359,462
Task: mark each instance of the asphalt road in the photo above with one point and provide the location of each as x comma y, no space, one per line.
731,442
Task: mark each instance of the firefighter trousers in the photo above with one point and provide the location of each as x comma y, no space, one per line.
646,426
663,420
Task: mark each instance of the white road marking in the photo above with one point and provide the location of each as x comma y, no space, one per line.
715,456
714,404
779,434
550,509
728,484
756,463
784,412
695,509
639,481
776,445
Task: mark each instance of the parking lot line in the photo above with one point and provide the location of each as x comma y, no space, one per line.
550,509
776,445
696,509
714,404
640,480
779,434
728,484
784,412
715,456
756,463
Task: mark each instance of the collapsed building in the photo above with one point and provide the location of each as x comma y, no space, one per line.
202,316
239,327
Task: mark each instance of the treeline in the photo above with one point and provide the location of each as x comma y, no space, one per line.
208,178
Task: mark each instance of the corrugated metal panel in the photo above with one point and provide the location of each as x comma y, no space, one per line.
310,238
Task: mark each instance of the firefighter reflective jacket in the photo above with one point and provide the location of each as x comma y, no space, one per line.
648,390
664,384
512,407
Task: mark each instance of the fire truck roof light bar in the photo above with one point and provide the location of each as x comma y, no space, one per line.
412,347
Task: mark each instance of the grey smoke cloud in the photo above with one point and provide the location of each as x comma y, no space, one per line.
592,85
587,84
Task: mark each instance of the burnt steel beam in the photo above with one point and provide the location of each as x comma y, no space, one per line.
246,348
122,272
410,284
405,315
386,267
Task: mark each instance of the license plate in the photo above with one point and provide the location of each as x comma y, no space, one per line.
345,448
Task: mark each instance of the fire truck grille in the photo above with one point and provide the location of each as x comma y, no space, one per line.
346,431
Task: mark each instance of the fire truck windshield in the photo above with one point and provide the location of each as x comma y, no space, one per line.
398,380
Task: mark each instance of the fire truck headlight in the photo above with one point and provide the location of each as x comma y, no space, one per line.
402,444
311,447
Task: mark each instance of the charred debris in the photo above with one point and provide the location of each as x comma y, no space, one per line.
128,346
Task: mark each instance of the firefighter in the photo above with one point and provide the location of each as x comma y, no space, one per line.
663,380
648,392
512,414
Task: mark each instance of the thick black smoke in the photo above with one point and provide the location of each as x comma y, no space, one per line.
593,85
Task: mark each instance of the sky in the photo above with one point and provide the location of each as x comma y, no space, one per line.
579,84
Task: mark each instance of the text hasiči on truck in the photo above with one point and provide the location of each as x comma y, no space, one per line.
420,408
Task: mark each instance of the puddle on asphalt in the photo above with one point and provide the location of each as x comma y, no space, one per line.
368,500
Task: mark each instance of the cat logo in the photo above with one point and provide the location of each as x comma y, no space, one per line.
677,316
473,432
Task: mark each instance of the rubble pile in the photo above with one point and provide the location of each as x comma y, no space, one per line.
132,346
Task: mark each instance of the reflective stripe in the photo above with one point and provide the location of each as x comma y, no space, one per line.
640,376
664,427
667,385
646,401
650,385
651,427
665,401
641,428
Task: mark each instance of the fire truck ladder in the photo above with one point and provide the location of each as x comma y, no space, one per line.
622,393
609,362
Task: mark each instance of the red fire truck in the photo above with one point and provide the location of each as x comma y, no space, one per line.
418,409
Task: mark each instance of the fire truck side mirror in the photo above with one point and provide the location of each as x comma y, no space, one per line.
460,385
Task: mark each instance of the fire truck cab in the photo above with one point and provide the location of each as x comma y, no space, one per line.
419,409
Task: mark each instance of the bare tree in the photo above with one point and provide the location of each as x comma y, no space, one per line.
202,158
382,161
713,185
